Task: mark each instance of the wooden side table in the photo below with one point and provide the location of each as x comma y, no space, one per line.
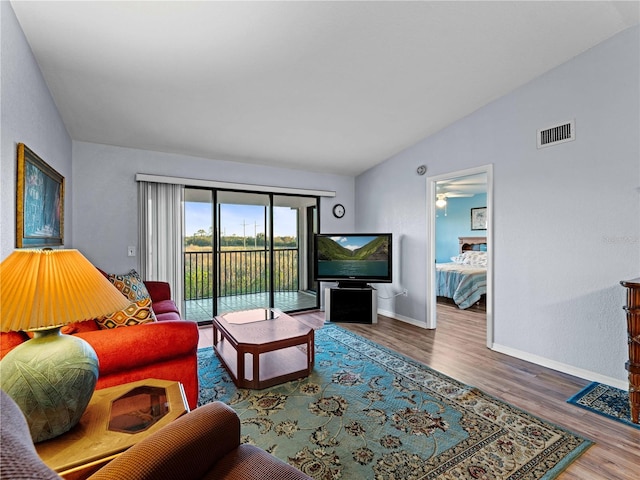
116,419
633,331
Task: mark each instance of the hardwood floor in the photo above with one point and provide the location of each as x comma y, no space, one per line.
457,348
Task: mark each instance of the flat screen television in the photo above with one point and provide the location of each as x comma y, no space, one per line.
353,259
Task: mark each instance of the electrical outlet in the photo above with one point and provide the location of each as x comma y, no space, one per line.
405,293
131,251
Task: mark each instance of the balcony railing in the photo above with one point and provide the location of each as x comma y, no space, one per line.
240,272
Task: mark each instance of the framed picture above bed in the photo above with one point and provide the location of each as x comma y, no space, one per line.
39,202
479,218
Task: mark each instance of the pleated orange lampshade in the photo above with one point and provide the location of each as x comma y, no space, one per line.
49,288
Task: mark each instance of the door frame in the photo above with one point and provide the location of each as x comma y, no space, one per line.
431,244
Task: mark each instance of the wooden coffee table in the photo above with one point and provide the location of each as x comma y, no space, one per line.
263,347
116,419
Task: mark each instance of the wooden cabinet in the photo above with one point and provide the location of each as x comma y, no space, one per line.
354,305
633,331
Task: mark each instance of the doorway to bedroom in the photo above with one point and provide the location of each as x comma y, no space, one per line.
459,218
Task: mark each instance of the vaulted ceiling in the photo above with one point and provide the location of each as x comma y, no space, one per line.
332,87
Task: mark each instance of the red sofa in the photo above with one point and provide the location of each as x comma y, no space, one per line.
165,349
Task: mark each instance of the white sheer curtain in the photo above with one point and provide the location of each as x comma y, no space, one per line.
160,214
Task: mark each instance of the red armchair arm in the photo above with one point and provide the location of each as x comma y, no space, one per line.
10,340
158,291
120,348
165,350
161,301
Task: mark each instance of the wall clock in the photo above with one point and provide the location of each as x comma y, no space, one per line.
338,210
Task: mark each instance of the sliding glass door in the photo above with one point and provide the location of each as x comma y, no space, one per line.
199,261
292,244
243,274
247,250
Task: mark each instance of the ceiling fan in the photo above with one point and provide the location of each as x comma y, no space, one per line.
441,198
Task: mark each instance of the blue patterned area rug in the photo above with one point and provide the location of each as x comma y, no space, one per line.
368,412
608,401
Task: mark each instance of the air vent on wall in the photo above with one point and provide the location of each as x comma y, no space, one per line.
565,132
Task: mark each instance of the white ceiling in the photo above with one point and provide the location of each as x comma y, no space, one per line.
324,86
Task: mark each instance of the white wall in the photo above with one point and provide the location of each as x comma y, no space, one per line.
566,218
391,198
28,115
106,201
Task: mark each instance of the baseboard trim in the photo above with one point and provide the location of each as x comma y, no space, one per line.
402,318
561,367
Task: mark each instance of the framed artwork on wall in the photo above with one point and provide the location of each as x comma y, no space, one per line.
39,202
479,218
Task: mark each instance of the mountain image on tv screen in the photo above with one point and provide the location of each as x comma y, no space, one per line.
353,256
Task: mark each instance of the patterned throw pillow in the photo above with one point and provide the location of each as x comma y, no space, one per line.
135,314
130,285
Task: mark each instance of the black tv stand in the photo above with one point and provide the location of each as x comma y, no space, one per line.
354,302
353,284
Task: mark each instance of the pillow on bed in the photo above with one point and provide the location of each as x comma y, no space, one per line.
459,259
476,259
471,257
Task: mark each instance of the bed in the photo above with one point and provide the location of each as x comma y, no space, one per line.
464,279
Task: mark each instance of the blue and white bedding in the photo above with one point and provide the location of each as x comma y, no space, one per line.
464,280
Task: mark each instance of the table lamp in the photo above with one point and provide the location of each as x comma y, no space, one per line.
52,376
